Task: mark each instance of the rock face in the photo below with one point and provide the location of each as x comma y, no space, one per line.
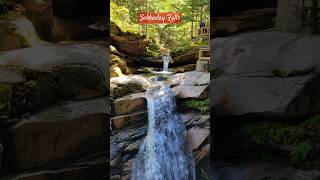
59,134
298,16
191,84
197,136
94,168
36,76
129,118
223,7
129,104
256,170
250,20
265,73
53,110
125,142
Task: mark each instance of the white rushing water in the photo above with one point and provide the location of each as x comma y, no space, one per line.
26,29
166,59
164,153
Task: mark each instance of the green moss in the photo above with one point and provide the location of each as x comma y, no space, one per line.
115,60
198,105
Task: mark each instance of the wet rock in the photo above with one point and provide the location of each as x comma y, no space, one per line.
124,85
196,136
195,92
59,134
133,146
129,104
202,153
193,119
120,122
127,168
191,78
184,68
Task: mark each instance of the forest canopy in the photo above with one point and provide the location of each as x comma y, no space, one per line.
178,37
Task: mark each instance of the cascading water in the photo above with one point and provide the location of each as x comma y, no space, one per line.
164,153
166,59
26,30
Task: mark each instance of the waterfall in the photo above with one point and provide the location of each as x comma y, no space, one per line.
164,153
166,59
26,30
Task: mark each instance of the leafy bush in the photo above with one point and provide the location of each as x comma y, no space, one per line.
263,132
198,105
301,152
313,122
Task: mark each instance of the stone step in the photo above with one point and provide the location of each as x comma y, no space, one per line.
129,104
56,135
95,168
135,119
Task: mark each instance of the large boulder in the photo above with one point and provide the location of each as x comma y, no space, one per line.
129,104
265,73
251,20
55,28
44,75
224,7
92,168
129,44
56,135
190,84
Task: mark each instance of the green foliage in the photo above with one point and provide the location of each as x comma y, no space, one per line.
313,122
198,105
153,49
145,70
120,16
263,132
115,60
3,7
124,14
301,152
